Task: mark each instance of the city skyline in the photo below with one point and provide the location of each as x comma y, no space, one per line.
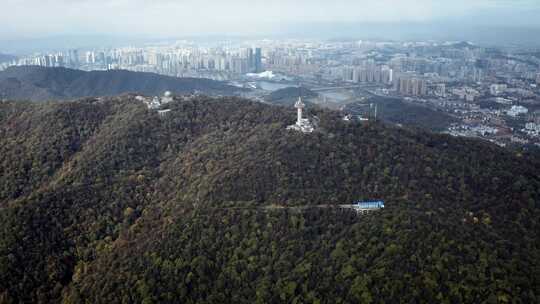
487,92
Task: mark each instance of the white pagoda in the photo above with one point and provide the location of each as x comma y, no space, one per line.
302,124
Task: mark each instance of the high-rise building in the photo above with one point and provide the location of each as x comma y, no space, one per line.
348,74
538,78
101,57
239,65
251,60
376,74
258,60
410,85
387,75
478,75
58,60
90,58
440,90
74,58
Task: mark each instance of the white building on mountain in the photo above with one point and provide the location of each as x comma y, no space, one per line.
302,124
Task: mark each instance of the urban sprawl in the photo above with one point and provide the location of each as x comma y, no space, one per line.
493,93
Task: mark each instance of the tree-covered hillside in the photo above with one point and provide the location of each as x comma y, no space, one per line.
105,201
288,96
40,83
397,111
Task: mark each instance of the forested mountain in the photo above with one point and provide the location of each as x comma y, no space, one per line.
397,111
288,96
40,83
105,201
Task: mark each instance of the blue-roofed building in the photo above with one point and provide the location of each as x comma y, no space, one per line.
366,206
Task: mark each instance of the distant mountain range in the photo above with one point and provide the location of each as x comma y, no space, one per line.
464,44
6,57
40,84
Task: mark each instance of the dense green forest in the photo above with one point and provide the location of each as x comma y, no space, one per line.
105,201
398,111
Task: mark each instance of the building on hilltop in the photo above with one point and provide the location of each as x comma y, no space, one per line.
302,124
163,113
167,97
156,102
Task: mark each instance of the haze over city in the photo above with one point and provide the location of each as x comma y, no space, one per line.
513,21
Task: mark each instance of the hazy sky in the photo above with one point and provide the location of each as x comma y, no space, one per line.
41,18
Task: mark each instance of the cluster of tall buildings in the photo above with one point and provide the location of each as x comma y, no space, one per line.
440,90
371,74
60,59
455,68
173,61
410,85
413,69
177,62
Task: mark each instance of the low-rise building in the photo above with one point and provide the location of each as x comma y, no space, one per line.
497,89
517,110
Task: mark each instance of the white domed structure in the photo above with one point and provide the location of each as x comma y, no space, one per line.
167,97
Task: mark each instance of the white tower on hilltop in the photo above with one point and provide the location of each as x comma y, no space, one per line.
302,124
299,105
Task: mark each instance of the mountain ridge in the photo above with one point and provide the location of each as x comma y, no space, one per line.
39,83
100,184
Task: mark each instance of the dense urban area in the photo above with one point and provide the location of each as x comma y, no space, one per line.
490,93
